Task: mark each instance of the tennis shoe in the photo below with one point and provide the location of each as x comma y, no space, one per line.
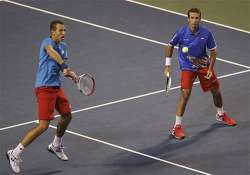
224,118
178,132
58,151
13,161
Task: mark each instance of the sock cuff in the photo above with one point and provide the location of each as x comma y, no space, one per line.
220,111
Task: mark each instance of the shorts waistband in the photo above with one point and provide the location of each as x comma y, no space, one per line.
48,87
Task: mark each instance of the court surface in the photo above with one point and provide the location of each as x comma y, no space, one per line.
123,129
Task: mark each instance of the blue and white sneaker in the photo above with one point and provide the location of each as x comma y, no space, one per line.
58,151
13,161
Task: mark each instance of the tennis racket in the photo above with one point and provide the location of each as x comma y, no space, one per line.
86,84
199,62
168,83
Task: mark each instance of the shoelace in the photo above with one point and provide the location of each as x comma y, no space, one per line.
221,117
177,127
59,148
16,160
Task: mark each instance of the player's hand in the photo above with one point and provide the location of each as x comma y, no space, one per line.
167,70
194,61
70,74
209,74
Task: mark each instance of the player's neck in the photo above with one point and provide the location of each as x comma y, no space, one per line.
194,29
54,39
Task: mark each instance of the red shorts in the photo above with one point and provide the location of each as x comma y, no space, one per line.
188,78
50,98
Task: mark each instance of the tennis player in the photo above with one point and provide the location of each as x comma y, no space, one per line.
195,63
49,94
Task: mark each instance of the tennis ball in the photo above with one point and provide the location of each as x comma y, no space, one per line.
185,49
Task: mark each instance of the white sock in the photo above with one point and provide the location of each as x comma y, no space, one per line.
178,120
57,141
18,150
220,111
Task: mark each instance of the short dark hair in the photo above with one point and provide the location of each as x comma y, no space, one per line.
193,10
53,24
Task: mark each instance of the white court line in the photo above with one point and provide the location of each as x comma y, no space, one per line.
122,100
134,152
109,29
151,93
84,22
181,14
17,125
234,63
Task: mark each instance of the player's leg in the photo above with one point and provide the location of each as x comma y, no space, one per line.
63,107
46,104
35,132
63,124
15,154
187,79
213,86
221,115
183,99
217,98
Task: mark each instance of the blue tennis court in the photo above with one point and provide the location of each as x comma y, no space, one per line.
124,127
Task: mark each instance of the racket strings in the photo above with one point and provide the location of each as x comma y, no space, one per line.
86,84
199,62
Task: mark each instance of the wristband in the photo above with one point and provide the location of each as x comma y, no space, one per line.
64,66
168,61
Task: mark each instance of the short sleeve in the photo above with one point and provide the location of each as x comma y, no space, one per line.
175,39
65,50
66,53
48,41
211,44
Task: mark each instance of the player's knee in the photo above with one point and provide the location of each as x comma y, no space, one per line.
43,126
215,92
67,116
186,93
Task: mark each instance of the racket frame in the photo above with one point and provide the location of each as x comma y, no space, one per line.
79,87
168,83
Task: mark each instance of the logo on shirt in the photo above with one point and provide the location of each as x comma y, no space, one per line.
60,49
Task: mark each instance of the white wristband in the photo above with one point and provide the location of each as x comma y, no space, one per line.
168,61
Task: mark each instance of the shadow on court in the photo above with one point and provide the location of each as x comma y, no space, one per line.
43,172
163,150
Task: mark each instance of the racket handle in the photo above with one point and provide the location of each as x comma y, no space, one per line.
168,84
168,74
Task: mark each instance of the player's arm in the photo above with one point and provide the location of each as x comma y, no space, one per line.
168,56
211,45
56,56
213,55
169,52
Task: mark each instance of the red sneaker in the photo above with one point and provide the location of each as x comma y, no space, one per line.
178,132
226,119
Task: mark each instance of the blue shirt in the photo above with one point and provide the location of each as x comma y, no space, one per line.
197,44
48,73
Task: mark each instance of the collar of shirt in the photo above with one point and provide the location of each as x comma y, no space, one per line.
191,33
